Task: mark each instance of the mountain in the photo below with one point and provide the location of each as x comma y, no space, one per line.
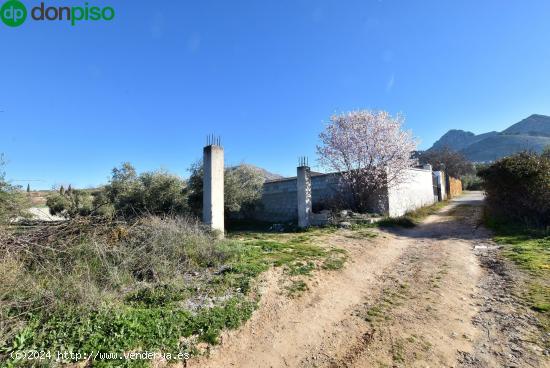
531,134
459,139
266,174
269,175
538,125
502,145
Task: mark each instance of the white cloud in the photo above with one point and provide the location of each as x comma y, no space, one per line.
390,83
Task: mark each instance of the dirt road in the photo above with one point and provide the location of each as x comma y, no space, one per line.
437,295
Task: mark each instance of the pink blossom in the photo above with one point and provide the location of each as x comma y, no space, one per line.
369,149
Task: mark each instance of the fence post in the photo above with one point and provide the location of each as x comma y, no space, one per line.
213,186
303,183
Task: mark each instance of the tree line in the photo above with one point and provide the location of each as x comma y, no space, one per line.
130,195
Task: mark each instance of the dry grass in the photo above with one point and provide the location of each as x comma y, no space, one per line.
86,264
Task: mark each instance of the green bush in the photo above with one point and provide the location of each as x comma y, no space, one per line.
150,193
127,195
518,189
13,202
130,195
243,188
472,182
71,203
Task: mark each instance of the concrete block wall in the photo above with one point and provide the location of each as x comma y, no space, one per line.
279,199
323,188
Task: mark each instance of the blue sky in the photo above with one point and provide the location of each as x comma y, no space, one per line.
148,86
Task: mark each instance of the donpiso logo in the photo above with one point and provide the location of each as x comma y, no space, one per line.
13,13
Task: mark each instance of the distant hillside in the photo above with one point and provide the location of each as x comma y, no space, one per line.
502,145
538,125
459,139
266,174
532,133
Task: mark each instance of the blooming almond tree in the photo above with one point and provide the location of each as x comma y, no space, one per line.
369,149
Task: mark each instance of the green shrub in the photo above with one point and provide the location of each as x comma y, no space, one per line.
150,193
472,182
127,195
518,189
243,188
13,202
71,203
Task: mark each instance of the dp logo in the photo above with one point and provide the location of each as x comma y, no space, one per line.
13,13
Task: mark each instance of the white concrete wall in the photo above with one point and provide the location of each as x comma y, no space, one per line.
416,191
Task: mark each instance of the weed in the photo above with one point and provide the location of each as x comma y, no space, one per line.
403,221
333,263
301,268
360,233
296,288
398,351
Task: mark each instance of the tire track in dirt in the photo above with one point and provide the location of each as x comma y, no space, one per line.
282,331
421,314
404,299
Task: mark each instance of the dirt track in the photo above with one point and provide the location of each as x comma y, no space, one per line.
437,295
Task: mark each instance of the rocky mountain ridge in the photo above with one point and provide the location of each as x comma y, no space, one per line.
530,134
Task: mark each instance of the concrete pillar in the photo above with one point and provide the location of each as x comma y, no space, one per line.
440,182
213,196
303,183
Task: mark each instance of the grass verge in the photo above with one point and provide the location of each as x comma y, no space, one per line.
412,218
530,250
